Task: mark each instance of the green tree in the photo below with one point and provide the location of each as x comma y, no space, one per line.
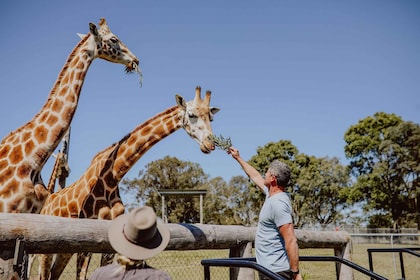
215,211
229,204
384,157
321,189
164,174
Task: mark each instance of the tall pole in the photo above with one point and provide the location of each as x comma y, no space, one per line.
201,208
163,209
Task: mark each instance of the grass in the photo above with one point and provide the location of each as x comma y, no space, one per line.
185,265
384,264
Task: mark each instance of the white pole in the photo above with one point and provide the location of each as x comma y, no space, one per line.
163,209
201,208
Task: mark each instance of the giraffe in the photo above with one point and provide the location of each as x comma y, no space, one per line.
95,194
61,169
24,152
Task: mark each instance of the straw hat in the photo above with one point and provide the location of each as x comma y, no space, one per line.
138,235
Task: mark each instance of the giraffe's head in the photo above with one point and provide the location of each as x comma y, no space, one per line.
110,48
197,115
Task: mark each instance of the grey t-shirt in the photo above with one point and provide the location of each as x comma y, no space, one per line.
269,244
108,272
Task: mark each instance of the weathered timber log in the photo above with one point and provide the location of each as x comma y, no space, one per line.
50,234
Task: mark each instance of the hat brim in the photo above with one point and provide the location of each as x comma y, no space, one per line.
134,251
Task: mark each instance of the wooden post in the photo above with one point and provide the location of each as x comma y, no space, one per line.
344,272
244,273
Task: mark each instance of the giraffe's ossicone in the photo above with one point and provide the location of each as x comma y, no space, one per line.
24,151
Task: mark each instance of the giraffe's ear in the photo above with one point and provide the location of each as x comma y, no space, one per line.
180,101
214,110
93,29
81,35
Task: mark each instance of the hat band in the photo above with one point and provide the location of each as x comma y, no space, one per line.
136,241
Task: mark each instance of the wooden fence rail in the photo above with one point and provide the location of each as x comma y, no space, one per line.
49,234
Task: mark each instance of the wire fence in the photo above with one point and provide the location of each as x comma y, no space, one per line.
186,265
180,265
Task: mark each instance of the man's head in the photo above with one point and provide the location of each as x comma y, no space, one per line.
281,171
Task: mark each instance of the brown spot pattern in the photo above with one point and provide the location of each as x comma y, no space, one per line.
16,155
41,134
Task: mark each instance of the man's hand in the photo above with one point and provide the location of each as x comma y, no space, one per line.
234,152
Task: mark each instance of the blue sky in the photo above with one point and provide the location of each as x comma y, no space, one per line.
303,71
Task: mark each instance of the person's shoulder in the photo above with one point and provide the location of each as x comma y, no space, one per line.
161,273
156,273
281,200
104,272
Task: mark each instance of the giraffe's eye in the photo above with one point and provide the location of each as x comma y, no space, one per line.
191,115
114,40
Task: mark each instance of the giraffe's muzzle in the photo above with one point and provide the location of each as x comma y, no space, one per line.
133,67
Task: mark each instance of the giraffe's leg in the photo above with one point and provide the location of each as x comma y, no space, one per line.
83,260
60,262
44,265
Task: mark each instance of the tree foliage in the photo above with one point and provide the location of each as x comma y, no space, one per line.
165,174
384,156
230,204
320,190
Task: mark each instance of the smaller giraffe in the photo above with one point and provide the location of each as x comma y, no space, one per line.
61,169
95,194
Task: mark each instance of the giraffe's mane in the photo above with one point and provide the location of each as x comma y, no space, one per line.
112,147
66,64
158,116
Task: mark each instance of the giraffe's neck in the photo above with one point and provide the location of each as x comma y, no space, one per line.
24,152
57,113
115,161
109,166
40,136
144,137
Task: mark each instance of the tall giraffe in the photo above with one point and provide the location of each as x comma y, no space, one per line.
24,152
95,195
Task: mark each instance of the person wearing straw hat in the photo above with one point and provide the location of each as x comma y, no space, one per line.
136,236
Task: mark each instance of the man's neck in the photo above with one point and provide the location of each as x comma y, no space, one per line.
275,189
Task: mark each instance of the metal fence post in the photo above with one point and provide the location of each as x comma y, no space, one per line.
20,264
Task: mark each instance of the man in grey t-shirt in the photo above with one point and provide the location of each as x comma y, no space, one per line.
275,241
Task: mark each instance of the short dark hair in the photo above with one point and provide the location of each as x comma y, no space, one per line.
281,171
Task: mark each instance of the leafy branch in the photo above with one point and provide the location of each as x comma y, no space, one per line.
221,142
